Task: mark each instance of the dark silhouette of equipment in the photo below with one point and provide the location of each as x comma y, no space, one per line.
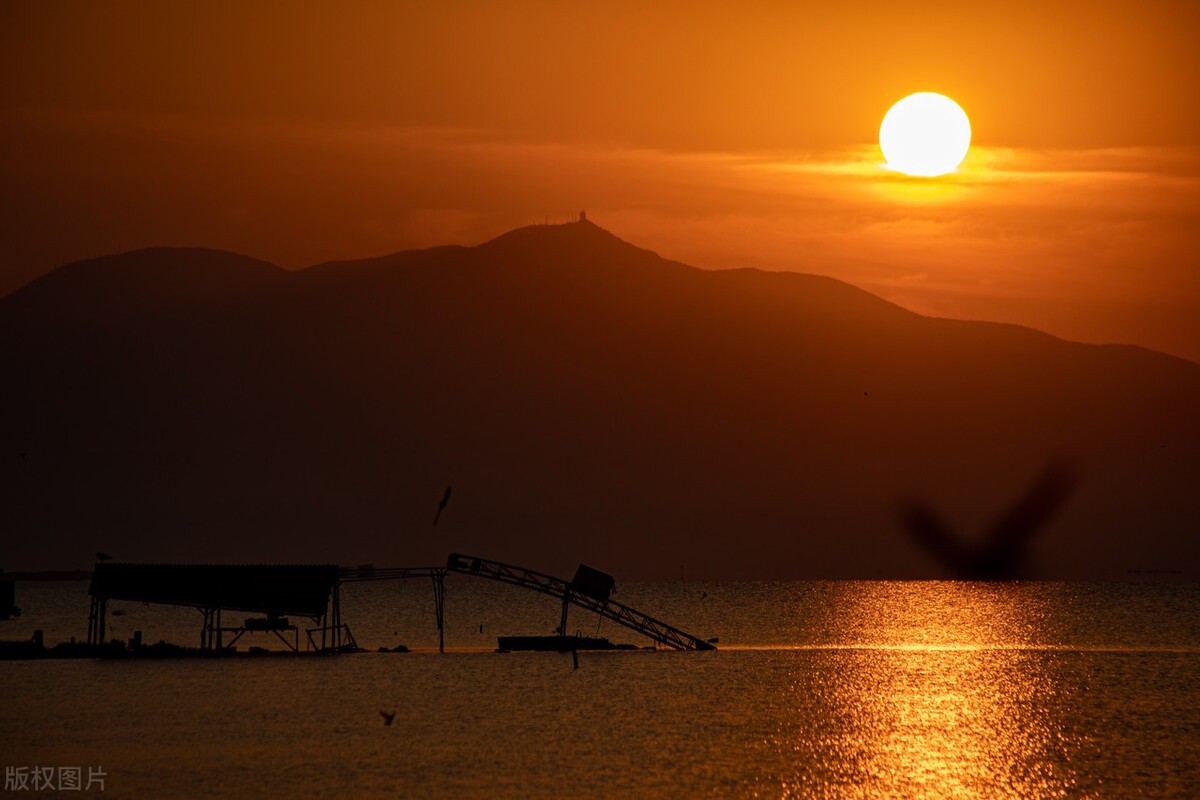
590,590
1001,553
8,597
442,506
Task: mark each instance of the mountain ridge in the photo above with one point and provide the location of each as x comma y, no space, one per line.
588,400
417,257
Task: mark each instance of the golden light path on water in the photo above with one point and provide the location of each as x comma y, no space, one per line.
915,719
821,689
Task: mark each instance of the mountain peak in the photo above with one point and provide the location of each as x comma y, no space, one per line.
579,240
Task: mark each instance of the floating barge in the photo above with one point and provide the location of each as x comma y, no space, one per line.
556,644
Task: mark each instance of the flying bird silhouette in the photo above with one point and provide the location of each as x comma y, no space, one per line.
387,718
1001,554
442,506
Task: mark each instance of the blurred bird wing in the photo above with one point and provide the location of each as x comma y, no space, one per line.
1018,524
929,531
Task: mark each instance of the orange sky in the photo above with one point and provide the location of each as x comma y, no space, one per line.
715,135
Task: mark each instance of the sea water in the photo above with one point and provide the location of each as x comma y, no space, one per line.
836,689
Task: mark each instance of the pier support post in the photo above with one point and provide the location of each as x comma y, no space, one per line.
562,625
93,609
439,607
96,612
337,617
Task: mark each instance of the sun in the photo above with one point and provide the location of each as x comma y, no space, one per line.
926,134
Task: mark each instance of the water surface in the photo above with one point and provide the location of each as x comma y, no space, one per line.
820,689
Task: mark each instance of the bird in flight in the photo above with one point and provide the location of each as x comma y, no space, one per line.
1001,554
442,506
387,718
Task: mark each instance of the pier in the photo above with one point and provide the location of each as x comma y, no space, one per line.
278,592
311,594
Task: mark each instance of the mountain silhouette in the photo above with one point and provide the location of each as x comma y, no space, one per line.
588,401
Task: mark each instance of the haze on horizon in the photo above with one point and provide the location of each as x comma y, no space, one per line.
300,133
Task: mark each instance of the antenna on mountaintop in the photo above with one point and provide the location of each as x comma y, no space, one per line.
583,216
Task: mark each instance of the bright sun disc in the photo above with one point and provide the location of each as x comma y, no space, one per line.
925,134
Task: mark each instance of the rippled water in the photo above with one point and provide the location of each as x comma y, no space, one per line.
820,689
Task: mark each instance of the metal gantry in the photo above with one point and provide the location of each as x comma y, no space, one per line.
564,590
621,614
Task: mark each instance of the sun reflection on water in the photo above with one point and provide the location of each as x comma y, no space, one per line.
936,702
820,689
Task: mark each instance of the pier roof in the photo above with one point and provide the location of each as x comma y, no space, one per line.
303,590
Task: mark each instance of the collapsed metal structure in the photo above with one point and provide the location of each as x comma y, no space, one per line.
590,590
313,592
